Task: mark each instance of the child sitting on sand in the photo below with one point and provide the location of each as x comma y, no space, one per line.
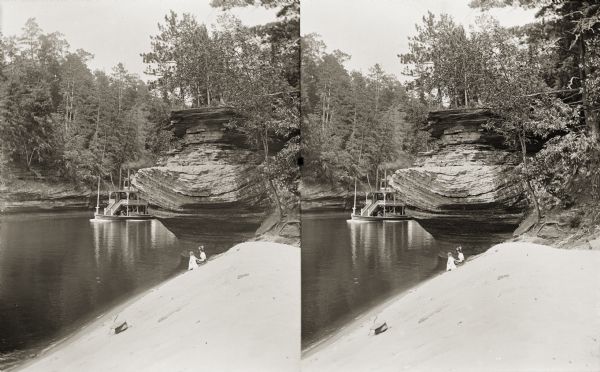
450,265
192,264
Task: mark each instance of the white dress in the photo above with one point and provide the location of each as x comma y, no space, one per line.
193,264
202,256
450,265
461,257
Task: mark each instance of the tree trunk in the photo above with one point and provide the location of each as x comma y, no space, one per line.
71,115
265,141
355,118
376,98
66,106
328,118
466,94
591,119
27,158
207,89
198,95
323,110
182,96
279,207
30,159
119,97
527,180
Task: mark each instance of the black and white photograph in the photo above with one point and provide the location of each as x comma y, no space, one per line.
148,185
450,186
299,185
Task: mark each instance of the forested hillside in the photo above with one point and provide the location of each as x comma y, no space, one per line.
541,81
255,70
59,118
354,122
61,121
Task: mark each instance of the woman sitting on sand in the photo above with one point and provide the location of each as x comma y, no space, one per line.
202,258
450,265
192,264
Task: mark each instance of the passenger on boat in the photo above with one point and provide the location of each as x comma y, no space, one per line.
461,256
192,264
202,254
450,265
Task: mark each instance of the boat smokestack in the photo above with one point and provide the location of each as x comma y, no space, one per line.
354,206
98,197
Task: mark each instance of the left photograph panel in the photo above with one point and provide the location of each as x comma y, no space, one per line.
149,211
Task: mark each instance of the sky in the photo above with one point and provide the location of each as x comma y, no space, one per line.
376,31
113,30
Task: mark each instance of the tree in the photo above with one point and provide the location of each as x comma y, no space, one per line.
60,119
253,69
572,28
259,90
514,89
352,122
29,95
440,61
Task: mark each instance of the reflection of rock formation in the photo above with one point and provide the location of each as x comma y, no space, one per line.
211,177
464,187
126,241
383,244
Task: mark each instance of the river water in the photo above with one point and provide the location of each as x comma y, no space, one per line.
58,271
349,267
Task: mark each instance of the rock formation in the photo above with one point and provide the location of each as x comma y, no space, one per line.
32,196
281,230
465,186
39,190
208,185
324,197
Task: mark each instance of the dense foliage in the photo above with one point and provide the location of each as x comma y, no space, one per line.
57,115
541,80
59,119
353,123
559,55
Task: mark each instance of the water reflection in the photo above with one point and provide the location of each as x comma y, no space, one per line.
349,267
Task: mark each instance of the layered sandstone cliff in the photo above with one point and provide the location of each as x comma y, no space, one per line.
210,179
465,186
19,197
40,191
325,197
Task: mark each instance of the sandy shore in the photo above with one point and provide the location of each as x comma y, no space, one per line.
517,307
240,312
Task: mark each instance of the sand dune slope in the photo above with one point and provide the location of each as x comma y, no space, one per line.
518,307
239,312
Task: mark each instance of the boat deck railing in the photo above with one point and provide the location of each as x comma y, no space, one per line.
370,207
113,207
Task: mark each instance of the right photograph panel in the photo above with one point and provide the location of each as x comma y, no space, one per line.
450,191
